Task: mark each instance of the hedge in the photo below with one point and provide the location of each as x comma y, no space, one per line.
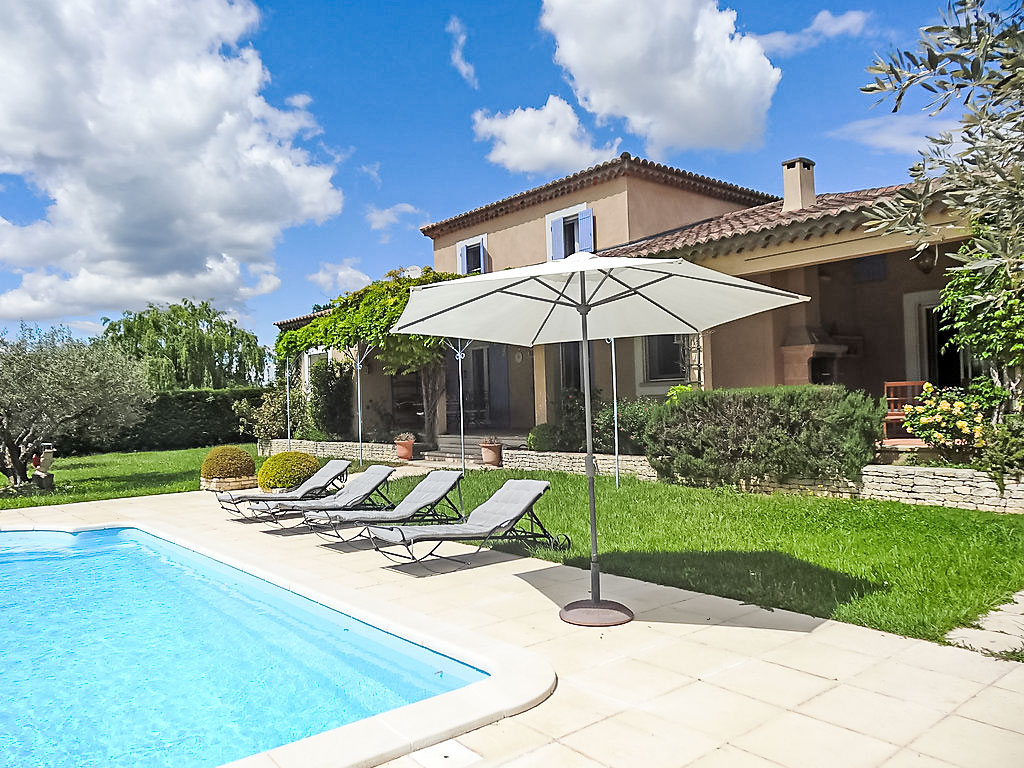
733,436
187,418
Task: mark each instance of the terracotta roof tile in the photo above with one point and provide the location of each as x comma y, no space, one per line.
751,221
624,165
298,322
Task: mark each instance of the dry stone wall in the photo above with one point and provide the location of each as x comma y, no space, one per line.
554,461
938,486
333,450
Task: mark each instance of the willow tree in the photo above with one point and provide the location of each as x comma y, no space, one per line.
973,63
189,345
53,385
362,321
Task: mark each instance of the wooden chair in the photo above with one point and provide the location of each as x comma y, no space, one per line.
897,395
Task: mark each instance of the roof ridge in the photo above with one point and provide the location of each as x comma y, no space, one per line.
752,221
624,164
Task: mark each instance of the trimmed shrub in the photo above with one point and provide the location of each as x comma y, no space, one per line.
287,470
733,436
634,419
543,437
227,461
187,418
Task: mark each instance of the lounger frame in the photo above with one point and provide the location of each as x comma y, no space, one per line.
436,512
533,533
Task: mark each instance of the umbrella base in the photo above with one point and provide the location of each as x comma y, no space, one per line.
602,613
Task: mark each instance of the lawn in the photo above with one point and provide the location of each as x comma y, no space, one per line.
117,475
917,571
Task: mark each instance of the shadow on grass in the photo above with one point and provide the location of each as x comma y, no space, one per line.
768,579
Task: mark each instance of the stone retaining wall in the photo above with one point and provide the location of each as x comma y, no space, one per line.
939,486
575,462
333,450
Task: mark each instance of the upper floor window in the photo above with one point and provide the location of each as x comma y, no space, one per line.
569,231
473,255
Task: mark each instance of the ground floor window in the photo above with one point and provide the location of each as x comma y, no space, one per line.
674,357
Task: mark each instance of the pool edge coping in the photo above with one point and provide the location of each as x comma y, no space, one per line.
517,680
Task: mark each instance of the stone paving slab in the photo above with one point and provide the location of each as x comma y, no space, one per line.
695,680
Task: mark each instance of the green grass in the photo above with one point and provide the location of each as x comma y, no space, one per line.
119,475
917,571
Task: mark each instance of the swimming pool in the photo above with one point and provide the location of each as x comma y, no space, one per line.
120,648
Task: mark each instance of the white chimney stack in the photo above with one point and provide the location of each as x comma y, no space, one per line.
797,184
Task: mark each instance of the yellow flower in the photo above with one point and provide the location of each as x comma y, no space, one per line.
927,387
962,426
980,443
944,405
977,418
908,408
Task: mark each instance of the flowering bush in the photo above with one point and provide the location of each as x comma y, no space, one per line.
948,419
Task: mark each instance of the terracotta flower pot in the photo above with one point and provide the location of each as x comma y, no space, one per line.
490,453
404,449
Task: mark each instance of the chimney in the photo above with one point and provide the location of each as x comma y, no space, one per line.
797,184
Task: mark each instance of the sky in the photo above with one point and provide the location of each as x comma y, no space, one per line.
269,155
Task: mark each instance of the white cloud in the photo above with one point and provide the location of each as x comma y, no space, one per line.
536,140
457,30
373,171
824,26
384,219
897,134
676,70
335,279
88,327
169,173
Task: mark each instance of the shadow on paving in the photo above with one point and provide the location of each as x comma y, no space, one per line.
768,579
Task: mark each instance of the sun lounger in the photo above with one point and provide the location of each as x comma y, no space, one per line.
329,478
363,491
508,515
429,501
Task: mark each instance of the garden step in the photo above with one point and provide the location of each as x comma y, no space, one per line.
453,457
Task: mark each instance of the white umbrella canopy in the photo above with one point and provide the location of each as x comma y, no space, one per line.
580,298
540,304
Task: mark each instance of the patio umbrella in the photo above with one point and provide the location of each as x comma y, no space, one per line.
576,299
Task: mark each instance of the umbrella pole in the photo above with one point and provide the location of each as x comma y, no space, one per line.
594,612
615,411
461,352
288,400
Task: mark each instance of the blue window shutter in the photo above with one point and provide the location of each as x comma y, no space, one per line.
462,259
586,220
557,240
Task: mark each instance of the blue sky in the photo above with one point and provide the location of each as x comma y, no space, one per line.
268,155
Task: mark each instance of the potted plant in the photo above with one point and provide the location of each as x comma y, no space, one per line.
490,450
403,445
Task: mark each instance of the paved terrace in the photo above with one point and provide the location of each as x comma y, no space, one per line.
696,680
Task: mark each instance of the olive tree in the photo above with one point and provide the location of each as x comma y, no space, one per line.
53,385
972,62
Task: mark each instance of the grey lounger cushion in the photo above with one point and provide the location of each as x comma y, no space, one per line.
499,513
355,492
428,492
323,477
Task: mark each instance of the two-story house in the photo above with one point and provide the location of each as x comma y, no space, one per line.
871,317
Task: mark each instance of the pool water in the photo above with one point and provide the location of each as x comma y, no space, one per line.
121,649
